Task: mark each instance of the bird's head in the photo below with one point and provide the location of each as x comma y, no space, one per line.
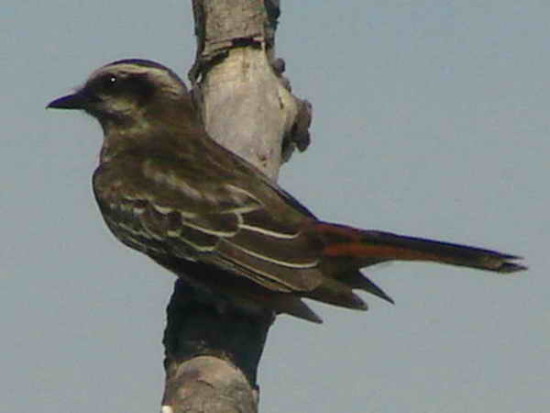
129,93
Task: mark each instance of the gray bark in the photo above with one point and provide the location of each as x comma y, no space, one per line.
246,103
213,349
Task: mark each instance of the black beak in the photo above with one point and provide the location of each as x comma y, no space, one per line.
77,100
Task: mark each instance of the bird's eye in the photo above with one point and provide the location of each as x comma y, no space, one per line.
109,82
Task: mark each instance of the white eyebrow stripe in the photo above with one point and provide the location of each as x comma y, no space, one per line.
161,76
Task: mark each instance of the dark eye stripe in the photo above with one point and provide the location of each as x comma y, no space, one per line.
137,86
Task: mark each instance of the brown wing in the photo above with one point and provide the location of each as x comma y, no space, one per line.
162,208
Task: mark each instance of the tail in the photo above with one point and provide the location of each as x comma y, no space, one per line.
370,247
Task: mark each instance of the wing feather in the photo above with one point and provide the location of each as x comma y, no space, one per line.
162,209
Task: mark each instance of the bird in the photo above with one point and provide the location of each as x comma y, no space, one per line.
167,189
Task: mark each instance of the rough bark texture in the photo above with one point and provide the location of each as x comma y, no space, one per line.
212,348
246,103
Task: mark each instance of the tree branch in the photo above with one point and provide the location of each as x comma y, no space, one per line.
213,347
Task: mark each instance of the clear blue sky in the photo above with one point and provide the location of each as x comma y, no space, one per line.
431,118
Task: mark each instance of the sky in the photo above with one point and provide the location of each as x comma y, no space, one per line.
431,118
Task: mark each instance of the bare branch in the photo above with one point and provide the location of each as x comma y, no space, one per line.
213,347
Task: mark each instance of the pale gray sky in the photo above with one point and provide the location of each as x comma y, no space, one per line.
431,118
